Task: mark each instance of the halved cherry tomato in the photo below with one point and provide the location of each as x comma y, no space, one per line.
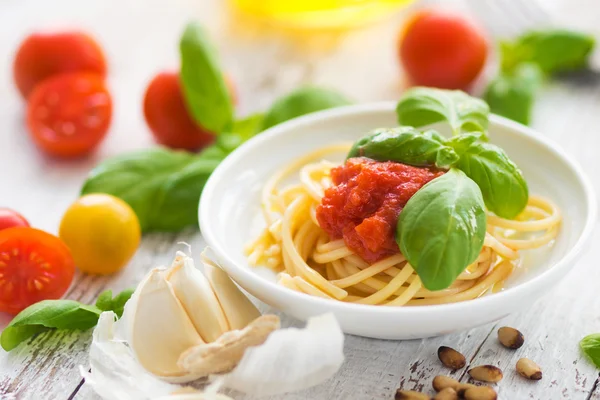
10,218
442,50
168,117
34,266
68,115
43,55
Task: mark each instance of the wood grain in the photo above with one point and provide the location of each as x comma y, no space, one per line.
265,65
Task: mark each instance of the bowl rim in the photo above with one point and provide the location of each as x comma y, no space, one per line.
559,268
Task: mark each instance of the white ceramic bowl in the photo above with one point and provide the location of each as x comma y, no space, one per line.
230,217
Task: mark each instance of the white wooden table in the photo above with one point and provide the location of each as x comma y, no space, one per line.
140,38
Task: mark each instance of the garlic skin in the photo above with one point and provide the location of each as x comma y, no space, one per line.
238,308
198,299
224,354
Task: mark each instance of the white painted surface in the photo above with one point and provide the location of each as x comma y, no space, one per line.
140,38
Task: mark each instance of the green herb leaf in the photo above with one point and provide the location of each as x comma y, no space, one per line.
206,94
162,186
144,179
512,94
249,126
442,228
590,345
421,106
504,188
45,315
552,50
302,101
106,302
405,145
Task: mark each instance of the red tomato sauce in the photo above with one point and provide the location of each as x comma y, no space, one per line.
364,204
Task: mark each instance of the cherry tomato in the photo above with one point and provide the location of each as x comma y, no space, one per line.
10,218
102,232
442,50
168,117
68,115
42,55
34,266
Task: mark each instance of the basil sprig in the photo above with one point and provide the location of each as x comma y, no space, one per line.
206,94
302,101
407,145
60,314
504,188
421,106
442,228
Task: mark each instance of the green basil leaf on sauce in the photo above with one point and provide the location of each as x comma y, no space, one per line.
302,101
421,106
206,94
405,145
502,184
442,228
512,94
552,50
46,315
590,345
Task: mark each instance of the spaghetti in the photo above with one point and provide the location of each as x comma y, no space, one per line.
295,245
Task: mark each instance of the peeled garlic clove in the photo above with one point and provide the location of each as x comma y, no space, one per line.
159,329
238,309
198,299
227,351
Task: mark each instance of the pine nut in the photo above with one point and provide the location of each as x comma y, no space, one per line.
410,395
510,337
481,393
451,358
528,369
486,373
446,394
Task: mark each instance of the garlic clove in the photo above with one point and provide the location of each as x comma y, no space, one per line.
239,310
225,353
158,328
198,299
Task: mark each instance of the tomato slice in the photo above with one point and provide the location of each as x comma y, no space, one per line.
10,218
34,266
68,115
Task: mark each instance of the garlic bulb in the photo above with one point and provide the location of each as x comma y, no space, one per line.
178,329
180,325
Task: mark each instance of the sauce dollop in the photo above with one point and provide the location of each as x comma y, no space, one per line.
363,205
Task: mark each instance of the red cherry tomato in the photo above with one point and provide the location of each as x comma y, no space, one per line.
10,218
42,55
168,118
68,115
442,50
34,266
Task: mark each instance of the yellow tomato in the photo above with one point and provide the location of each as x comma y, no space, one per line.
102,232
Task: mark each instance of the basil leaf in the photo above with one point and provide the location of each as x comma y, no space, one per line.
442,228
45,315
512,94
590,345
249,126
405,145
421,106
300,102
106,302
504,188
553,50
206,94
139,178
